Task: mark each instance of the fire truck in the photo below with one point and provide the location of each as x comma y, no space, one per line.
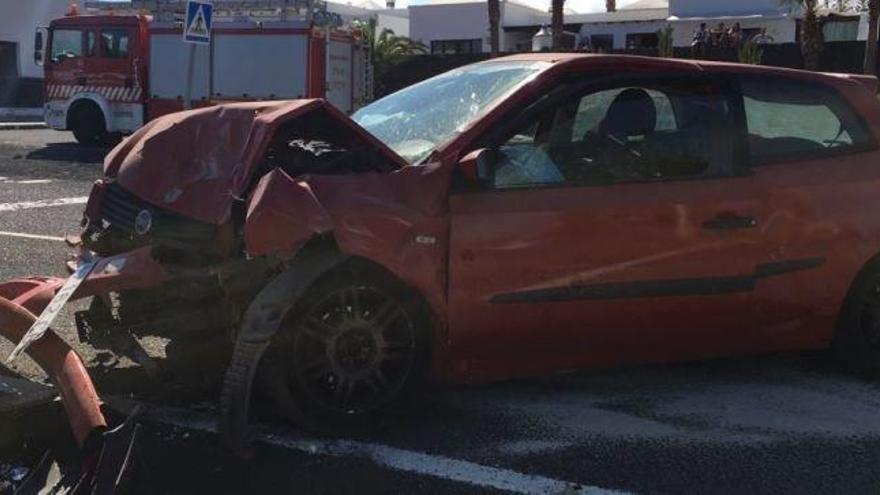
106,74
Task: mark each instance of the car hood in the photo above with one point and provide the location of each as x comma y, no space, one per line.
197,162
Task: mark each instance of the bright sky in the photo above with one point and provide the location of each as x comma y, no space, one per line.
576,5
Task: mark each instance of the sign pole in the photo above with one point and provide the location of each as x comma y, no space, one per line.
191,64
196,31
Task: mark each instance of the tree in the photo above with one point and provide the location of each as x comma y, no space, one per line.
812,43
386,49
556,24
610,5
494,21
871,43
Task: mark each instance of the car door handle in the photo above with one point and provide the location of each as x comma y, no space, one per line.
728,220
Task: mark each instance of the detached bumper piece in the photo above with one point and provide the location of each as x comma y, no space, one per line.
104,468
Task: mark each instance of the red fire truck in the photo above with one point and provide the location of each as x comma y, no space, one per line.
106,75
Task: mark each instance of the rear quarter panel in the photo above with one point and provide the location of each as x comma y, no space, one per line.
827,207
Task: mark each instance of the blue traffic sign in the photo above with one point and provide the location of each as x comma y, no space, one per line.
197,27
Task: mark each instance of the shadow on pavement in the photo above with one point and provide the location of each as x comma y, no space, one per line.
69,152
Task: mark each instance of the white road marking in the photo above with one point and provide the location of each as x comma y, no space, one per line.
43,203
7,180
33,181
436,466
31,236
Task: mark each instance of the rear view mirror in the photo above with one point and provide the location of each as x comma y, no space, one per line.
477,165
40,46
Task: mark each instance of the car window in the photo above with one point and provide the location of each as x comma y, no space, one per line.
787,119
620,134
114,43
66,43
592,109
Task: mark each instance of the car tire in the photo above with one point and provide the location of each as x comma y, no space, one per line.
351,353
88,126
856,343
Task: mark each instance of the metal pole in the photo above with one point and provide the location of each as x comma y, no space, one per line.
187,95
327,63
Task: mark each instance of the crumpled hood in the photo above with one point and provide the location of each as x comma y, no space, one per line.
196,162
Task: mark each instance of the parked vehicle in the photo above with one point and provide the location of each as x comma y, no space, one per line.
525,215
106,75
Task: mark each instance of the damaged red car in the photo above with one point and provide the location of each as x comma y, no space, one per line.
525,215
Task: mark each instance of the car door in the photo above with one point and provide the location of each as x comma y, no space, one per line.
617,227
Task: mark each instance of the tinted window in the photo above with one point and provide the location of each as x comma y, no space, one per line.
114,43
788,119
621,134
66,43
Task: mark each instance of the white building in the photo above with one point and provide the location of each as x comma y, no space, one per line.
462,26
636,25
17,26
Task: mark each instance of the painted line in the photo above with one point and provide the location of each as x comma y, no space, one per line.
32,181
31,236
435,466
43,203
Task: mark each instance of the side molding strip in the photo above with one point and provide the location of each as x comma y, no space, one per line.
660,288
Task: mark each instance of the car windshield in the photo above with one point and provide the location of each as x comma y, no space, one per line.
415,120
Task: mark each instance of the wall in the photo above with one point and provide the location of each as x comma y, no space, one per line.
620,29
393,20
457,21
513,14
781,28
703,8
18,22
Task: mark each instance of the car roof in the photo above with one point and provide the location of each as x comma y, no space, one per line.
635,61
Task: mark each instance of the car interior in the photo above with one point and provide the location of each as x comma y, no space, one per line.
615,135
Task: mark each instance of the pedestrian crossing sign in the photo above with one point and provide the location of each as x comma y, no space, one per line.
197,27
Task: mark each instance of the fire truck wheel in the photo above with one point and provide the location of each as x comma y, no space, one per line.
351,354
87,124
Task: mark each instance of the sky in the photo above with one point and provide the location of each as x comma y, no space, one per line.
576,5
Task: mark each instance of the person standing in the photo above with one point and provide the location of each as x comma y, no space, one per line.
698,44
762,38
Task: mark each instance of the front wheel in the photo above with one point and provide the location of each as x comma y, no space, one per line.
354,349
88,126
857,340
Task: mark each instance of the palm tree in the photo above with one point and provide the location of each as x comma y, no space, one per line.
556,24
610,5
871,43
387,49
811,31
494,21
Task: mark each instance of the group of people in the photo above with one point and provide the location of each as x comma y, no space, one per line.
722,37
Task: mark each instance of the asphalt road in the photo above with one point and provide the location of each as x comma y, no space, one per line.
771,424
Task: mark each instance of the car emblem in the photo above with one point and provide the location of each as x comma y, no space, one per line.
143,222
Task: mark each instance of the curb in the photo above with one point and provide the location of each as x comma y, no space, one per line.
13,126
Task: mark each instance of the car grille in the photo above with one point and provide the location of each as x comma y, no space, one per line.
119,213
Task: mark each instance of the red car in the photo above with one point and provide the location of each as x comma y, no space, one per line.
525,215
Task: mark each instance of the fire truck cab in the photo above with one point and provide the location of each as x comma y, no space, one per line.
106,75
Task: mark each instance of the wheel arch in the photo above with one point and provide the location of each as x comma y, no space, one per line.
86,99
262,321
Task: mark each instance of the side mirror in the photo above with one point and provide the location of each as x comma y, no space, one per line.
39,46
477,165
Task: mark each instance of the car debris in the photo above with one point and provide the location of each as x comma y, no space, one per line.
348,263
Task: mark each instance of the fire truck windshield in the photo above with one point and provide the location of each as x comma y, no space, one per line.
416,120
